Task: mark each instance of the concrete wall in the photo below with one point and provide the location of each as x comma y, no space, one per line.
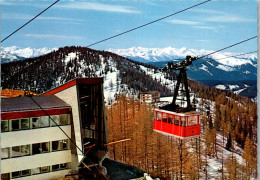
70,96
46,176
34,161
24,137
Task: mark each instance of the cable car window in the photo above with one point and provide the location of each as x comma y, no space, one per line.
176,120
183,121
192,120
159,116
164,118
170,119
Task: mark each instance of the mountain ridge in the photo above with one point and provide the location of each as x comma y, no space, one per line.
217,67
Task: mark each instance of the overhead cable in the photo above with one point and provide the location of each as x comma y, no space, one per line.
138,27
231,56
237,55
29,21
227,47
57,125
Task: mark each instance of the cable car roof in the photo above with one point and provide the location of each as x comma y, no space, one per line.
191,113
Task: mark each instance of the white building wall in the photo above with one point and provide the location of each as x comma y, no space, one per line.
70,96
32,136
34,161
46,176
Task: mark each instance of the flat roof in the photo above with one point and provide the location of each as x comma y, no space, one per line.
73,83
27,103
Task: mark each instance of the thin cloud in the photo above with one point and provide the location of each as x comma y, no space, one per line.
17,16
52,36
205,27
203,40
99,7
220,16
183,22
228,18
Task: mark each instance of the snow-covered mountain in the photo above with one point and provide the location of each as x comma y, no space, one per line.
14,53
224,70
169,53
221,69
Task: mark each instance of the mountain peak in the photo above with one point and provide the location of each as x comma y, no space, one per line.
27,52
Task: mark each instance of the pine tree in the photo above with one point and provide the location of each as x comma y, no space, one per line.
250,157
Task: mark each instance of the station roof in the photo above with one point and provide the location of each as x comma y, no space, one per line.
74,82
28,104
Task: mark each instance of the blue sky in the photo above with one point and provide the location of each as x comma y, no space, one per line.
211,26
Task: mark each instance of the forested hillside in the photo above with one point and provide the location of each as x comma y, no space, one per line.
228,121
48,71
213,155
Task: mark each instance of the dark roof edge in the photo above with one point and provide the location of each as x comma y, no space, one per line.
72,83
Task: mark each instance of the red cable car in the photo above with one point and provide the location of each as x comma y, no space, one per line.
180,125
181,122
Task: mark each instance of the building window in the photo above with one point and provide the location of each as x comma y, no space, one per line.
36,171
40,148
45,169
45,122
5,176
39,170
45,147
56,119
5,153
64,119
59,145
25,150
25,123
35,122
57,167
64,166
15,124
25,172
38,122
15,174
16,151
4,126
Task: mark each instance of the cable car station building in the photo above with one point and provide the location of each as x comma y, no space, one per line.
61,133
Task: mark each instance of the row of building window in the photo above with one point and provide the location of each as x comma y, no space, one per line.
34,122
32,149
39,170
